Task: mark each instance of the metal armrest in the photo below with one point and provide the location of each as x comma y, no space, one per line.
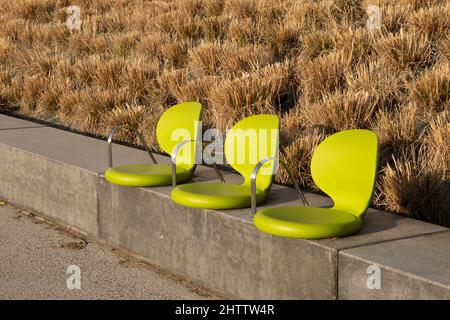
291,177
173,159
139,135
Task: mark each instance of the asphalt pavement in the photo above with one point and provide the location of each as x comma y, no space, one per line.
41,260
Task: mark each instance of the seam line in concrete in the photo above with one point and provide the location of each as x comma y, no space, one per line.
337,276
97,200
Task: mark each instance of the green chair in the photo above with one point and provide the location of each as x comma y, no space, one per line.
177,126
344,166
246,143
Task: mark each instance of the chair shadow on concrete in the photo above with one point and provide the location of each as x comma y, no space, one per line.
281,195
377,221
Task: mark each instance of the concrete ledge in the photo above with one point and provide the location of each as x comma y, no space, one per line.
58,173
413,268
56,189
215,248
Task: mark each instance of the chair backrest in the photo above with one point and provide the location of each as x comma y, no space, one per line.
344,166
180,122
249,141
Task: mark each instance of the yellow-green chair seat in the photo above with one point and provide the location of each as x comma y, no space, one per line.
344,166
145,175
215,195
182,119
306,222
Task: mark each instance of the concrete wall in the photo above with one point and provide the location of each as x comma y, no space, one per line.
217,249
58,174
412,268
50,187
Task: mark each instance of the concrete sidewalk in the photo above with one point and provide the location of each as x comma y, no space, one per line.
35,255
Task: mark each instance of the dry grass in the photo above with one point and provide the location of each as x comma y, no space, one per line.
314,63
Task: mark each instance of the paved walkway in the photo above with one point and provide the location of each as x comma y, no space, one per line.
34,257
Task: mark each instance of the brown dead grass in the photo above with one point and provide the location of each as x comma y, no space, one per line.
313,63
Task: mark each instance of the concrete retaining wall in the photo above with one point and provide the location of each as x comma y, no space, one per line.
220,250
50,187
58,174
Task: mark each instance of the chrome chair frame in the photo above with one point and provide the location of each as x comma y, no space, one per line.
291,177
139,135
173,160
